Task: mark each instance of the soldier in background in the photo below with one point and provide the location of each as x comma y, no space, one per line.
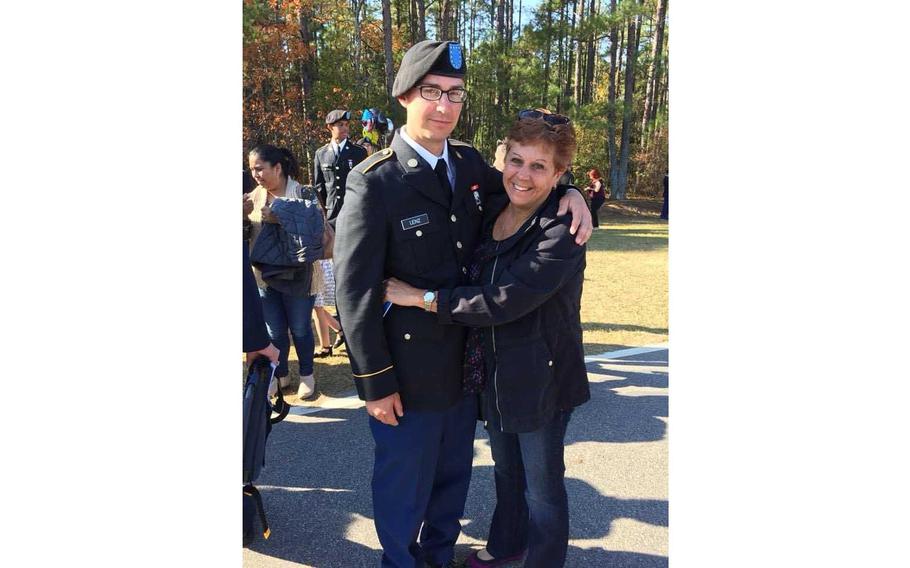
332,163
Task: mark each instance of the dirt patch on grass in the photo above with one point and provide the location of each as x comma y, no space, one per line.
631,208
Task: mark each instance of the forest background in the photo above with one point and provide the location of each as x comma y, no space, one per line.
604,63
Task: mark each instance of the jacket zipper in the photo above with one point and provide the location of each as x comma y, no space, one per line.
493,333
495,358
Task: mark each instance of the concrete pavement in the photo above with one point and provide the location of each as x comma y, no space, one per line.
317,494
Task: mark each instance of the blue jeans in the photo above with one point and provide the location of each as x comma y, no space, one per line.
532,508
282,312
421,474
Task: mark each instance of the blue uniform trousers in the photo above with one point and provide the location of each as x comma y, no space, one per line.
421,474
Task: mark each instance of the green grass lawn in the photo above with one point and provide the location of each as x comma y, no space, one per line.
624,303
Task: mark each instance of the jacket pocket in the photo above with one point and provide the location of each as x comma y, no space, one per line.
422,246
524,380
427,355
408,326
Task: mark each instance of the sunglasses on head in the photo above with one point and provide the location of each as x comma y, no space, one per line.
553,119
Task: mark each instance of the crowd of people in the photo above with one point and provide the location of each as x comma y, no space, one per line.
458,290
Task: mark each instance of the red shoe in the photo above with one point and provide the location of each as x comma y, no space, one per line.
474,561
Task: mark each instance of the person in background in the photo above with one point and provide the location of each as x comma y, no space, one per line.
524,350
325,321
597,191
665,209
287,302
333,162
367,145
248,183
567,178
500,156
256,343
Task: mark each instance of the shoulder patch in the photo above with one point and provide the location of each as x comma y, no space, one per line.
375,159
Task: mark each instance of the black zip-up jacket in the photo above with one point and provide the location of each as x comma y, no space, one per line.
530,303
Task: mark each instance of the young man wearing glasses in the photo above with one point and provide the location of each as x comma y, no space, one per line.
414,211
333,162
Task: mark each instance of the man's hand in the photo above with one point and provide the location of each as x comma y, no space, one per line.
386,409
575,204
269,351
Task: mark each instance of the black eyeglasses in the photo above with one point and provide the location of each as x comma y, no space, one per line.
431,93
553,119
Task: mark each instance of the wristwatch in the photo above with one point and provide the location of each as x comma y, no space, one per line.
428,298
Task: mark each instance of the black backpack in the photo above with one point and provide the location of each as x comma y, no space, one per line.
257,423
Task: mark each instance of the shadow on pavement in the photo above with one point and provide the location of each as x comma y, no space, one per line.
614,559
320,493
621,415
591,513
316,484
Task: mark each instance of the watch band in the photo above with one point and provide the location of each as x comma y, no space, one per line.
428,298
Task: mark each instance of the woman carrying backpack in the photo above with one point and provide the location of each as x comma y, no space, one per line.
287,299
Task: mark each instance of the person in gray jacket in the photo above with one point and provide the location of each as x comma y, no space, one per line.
524,352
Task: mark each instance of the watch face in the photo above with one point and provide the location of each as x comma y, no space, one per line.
429,296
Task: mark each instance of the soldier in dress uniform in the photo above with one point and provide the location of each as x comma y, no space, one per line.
332,163
414,211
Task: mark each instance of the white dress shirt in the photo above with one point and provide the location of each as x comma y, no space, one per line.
429,157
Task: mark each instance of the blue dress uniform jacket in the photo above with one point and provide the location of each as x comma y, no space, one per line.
330,175
399,221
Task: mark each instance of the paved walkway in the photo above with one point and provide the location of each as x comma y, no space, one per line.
317,496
